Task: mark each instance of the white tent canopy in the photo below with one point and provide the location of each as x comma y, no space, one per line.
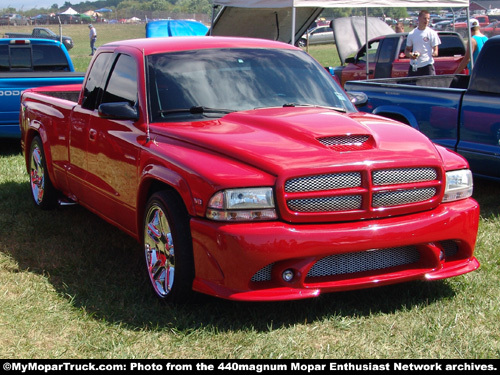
286,20
342,3
70,11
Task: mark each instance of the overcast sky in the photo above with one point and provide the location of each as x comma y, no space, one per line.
30,4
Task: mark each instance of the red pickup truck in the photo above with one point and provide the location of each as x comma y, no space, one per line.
387,60
242,183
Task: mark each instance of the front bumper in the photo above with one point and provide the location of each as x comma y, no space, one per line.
246,261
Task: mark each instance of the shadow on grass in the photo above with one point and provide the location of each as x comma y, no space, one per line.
99,269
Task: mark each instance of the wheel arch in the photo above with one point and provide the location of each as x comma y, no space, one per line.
155,179
399,114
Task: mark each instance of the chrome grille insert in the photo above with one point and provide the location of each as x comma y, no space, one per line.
323,182
347,263
403,176
340,203
400,197
344,140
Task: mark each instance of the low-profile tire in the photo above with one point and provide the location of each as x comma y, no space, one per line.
42,191
168,248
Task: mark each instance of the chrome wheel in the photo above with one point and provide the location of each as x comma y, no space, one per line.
159,251
37,174
43,193
168,247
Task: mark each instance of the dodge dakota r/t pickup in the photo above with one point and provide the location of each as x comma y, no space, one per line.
242,183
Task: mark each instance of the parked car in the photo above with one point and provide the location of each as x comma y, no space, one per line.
40,19
43,33
14,20
240,182
492,29
318,35
386,58
26,63
66,19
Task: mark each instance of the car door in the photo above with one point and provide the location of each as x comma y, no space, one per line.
113,150
79,126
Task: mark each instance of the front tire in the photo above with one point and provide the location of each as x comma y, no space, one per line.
42,191
168,247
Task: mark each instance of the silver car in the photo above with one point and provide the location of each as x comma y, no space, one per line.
318,35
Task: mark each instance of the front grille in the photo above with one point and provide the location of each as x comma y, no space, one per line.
340,264
359,191
323,182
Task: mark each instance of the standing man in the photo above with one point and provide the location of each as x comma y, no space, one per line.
93,37
422,46
477,42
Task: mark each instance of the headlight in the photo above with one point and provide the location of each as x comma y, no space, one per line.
250,204
458,185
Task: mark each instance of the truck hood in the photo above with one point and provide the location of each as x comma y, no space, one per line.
350,33
284,141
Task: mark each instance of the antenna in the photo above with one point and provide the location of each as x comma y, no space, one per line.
146,96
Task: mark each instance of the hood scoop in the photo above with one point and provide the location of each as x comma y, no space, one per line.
347,142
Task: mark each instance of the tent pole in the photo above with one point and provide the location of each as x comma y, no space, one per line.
469,42
366,44
293,25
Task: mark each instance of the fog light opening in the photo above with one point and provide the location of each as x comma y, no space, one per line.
288,275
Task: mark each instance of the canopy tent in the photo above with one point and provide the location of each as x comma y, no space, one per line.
69,11
288,20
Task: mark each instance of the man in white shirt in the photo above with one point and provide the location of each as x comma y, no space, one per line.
422,46
92,37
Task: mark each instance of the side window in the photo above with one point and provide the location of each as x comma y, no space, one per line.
122,84
4,58
95,81
486,75
49,58
451,46
386,52
372,52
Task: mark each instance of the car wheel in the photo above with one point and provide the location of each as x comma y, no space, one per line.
302,42
43,192
168,247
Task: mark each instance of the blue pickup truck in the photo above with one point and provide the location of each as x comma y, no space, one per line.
27,63
459,112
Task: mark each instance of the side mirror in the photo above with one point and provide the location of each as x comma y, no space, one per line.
118,111
358,98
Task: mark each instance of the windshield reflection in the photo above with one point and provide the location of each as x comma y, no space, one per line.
225,80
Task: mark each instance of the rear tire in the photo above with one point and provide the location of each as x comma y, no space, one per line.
168,247
42,191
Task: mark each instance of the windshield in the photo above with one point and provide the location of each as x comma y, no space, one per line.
212,82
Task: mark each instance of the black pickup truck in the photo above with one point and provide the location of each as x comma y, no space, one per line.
43,33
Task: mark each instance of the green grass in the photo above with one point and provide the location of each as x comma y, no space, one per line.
72,286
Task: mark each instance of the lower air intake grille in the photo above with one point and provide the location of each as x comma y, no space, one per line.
340,264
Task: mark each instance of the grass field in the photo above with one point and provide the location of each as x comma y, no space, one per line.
72,286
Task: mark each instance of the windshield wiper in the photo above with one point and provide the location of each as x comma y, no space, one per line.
194,110
339,109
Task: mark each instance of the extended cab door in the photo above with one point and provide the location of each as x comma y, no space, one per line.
113,149
79,125
480,120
